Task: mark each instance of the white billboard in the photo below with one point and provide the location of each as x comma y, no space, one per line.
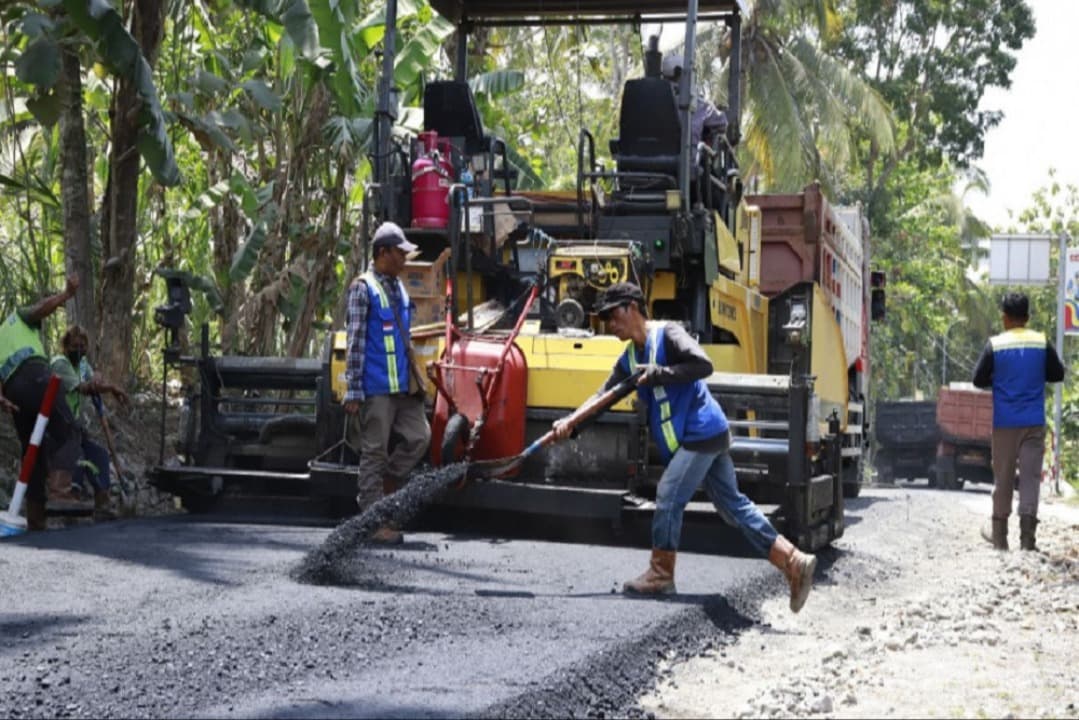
1019,259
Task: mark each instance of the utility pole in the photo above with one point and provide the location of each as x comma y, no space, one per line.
1058,391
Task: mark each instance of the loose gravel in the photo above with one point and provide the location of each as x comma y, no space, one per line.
920,619
335,561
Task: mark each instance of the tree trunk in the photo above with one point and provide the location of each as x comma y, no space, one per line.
75,192
119,219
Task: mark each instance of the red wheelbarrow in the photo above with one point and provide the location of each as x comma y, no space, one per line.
481,380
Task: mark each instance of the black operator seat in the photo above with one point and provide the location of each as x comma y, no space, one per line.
449,108
649,129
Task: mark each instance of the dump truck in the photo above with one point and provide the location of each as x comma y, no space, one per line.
787,339
964,451
906,437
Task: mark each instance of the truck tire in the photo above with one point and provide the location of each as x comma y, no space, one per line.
947,480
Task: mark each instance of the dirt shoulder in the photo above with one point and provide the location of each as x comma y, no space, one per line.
918,617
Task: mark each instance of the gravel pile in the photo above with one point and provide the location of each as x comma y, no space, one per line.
335,561
942,626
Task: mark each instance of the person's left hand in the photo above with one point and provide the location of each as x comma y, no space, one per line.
648,374
8,406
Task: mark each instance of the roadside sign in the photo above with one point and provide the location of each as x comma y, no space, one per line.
1071,292
1019,259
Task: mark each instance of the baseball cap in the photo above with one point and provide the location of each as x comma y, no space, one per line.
616,295
390,234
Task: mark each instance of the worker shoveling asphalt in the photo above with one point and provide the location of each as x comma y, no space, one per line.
331,563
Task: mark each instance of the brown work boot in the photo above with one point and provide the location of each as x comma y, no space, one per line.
103,511
798,567
35,515
1027,527
63,495
995,532
658,579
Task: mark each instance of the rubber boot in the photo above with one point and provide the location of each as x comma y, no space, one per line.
1027,526
35,515
798,567
658,579
103,511
995,532
387,534
62,495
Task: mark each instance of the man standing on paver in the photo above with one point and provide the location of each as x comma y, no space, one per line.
1017,364
385,393
693,437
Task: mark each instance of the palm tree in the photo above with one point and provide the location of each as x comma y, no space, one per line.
804,109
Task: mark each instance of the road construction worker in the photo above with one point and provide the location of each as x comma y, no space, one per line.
24,377
707,122
1017,364
385,393
78,379
693,437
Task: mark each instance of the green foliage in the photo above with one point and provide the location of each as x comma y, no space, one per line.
932,62
121,54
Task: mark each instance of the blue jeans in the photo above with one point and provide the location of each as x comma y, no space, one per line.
681,479
99,456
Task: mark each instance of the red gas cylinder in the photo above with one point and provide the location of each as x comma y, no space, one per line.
432,175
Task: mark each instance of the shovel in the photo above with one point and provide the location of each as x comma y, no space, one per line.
592,408
123,481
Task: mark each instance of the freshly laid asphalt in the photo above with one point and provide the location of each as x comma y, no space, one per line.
176,617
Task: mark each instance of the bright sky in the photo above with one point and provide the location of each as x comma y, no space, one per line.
1040,129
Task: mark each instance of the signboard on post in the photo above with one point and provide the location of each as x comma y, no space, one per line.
1019,259
1071,292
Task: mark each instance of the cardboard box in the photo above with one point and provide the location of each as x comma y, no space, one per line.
428,310
426,279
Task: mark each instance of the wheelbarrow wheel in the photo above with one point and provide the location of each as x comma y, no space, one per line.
454,439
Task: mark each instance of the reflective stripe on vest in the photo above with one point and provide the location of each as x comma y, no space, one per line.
655,336
389,344
18,342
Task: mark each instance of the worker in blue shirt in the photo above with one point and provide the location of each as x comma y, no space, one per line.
1016,365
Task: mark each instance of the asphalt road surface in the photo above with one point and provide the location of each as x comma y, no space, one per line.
176,617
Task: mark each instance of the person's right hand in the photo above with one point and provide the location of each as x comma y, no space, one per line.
8,406
561,429
72,284
352,407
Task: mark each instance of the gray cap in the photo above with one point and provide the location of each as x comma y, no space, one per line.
390,234
622,293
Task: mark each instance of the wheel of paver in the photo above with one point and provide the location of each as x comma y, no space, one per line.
454,437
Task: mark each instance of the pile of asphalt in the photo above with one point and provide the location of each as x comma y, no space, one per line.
334,561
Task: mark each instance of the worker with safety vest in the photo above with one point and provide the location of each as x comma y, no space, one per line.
24,377
1017,364
693,437
77,379
384,392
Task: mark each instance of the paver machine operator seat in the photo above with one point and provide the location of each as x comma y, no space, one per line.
449,109
647,147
